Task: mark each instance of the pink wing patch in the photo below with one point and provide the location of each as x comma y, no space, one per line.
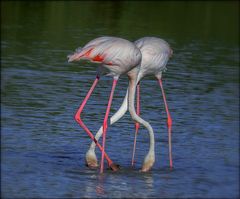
87,54
97,58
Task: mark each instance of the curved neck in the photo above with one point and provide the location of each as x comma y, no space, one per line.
121,111
131,98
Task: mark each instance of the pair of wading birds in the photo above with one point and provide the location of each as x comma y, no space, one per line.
146,56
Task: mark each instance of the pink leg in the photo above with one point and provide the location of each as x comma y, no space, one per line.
136,124
105,123
169,123
80,122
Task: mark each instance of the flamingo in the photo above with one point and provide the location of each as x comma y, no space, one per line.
155,55
118,56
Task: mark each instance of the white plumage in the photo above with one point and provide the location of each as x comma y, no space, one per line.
118,56
115,54
155,55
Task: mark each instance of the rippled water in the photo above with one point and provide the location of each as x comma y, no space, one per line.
43,148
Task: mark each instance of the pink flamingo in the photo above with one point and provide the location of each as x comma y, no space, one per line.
118,56
155,55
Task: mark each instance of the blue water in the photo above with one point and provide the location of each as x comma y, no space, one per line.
43,148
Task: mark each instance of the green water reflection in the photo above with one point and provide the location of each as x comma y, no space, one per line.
62,23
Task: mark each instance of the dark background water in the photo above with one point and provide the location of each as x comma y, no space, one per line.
43,148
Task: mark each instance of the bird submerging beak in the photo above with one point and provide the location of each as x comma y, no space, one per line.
119,56
155,54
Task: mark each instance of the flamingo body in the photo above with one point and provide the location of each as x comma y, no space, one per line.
155,55
115,54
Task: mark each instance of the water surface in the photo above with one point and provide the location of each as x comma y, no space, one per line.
43,148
